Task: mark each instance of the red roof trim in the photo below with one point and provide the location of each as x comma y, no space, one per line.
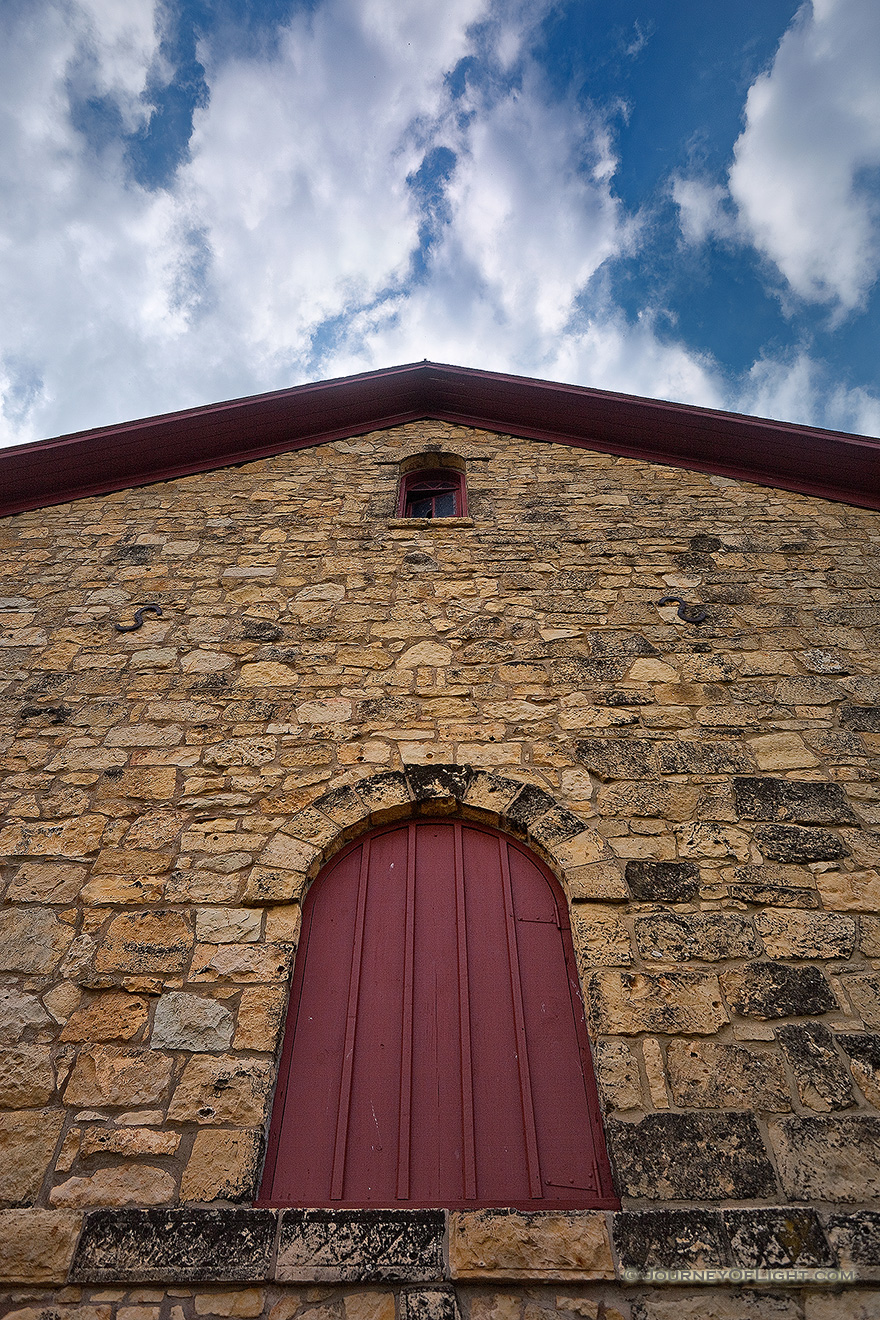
829,464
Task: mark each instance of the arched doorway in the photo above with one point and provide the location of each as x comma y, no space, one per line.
436,1051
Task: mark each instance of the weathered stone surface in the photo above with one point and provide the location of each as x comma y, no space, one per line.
224,1089
609,758
769,990
228,925
822,1077
726,1303
545,1245
110,1076
36,1246
850,891
827,1159
32,939
710,936
112,1015
191,1022
18,1013
786,1237
618,1074
259,1017
855,1239
146,942
794,934
626,1003
863,1053
222,1166
600,938
708,1075
27,1077
801,801
663,882
798,843
27,1143
415,1304
46,882
864,991
74,838
782,751
860,719
703,758
770,884
122,1246
670,1239
598,880
123,1184
360,1245
127,1141
248,1303
691,1157
240,963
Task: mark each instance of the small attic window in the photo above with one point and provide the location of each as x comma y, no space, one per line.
432,492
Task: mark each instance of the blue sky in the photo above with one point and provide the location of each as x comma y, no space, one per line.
212,198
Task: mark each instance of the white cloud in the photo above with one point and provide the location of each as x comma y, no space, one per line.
812,131
798,389
703,210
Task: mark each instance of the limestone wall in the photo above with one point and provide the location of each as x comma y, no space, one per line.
707,794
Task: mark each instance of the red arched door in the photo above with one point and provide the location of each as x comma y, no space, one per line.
436,1051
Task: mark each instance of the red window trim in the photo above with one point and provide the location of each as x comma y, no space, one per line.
437,479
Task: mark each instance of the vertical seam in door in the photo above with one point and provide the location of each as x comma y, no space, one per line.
339,1148
404,1108
464,1020
522,1053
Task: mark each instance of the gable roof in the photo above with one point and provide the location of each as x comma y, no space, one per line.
830,464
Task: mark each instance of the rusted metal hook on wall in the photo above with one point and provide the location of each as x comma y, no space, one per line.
690,613
139,618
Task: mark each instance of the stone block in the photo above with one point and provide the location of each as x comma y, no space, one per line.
821,1076
860,719
112,1077
670,1239
863,1053
827,1159
272,884
762,1239
799,801
74,839
109,1015
175,1246
191,1022
222,1166
627,1003
353,1246
27,1143
248,1303
864,992
228,925
709,1075
241,964
19,1012
222,1089
768,990
799,843
36,1246
32,940
127,1141
618,1074
720,1303
426,782
663,882
691,1157
600,938
490,792
122,1184
507,1244
610,758
27,1077
46,882
703,758
855,1239
799,934
850,891
259,1017
145,943
711,937
288,853
598,880
415,1304
782,751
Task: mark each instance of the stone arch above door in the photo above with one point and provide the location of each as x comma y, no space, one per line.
569,845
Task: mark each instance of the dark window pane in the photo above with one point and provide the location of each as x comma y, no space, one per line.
444,504
420,506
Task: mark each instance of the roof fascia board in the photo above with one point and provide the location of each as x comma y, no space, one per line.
828,464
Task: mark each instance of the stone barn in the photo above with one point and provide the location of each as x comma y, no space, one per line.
440,843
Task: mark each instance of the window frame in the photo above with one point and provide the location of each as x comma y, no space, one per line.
442,479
